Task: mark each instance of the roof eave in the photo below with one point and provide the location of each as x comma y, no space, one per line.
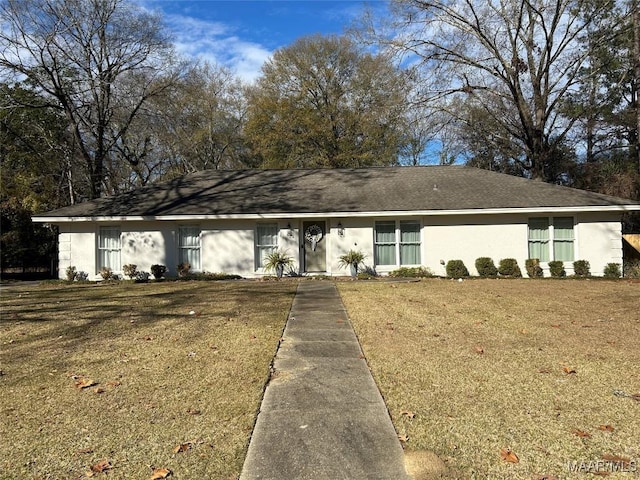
381,213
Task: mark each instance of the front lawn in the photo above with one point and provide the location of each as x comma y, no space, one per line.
486,373
127,378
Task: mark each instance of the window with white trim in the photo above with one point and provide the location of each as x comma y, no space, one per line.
397,243
266,242
109,245
189,246
551,238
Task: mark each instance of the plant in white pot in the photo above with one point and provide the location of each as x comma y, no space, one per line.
351,259
277,261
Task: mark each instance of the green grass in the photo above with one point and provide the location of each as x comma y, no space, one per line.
163,376
483,366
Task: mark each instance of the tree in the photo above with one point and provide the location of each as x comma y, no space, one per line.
512,60
323,102
604,104
35,150
201,126
97,61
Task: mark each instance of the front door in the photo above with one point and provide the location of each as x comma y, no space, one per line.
315,252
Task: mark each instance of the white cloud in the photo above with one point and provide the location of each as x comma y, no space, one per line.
216,43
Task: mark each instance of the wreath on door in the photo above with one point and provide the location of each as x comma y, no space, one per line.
313,235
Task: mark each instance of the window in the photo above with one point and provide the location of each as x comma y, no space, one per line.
563,238
385,243
189,246
551,238
409,243
266,242
387,248
109,248
539,238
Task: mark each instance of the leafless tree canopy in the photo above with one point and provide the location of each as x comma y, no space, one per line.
98,61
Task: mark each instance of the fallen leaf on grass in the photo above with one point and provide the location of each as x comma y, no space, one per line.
479,350
193,411
83,383
408,414
98,390
113,383
508,456
183,447
606,428
160,473
100,467
403,437
581,433
568,370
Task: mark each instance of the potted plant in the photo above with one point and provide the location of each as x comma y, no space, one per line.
276,261
351,259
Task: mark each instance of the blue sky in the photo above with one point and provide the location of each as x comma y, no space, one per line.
243,34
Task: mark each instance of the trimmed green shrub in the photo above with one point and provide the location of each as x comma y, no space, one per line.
612,270
411,272
556,268
508,267
486,267
581,268
456,269
632,269
158,271
534,270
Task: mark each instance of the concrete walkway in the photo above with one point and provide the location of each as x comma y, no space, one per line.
322,416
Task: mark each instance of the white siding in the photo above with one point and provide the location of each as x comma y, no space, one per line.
228,245
469,237
599,240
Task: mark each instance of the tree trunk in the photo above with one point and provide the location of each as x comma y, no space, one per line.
635,5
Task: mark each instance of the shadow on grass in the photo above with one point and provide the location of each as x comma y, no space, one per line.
70,318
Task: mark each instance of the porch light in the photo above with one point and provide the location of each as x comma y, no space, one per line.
340,230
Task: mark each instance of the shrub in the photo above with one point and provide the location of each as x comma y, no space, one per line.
158,271
612,270
106,273
556,268
82,276
184,269
456,269
71,273
581,268
130,270
142,276
632,269
486,267
411,272
534,270
508,267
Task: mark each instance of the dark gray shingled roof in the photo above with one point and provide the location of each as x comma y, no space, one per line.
376,189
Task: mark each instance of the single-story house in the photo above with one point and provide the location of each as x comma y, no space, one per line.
225,221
